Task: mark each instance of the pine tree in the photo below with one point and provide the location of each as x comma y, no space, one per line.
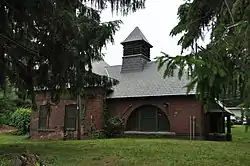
48,44
221,69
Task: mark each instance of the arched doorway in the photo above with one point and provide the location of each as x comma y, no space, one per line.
148,118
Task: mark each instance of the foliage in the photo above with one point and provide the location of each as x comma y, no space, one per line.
21,120
7,107
221,69
9,102
98,135
126,151
20,103
51,44
28,159
114,127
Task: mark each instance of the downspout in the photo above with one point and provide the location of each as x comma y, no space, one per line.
79,108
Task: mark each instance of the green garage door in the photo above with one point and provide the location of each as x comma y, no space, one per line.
148,118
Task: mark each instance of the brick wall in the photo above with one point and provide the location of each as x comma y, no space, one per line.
93,108
177,108
94,111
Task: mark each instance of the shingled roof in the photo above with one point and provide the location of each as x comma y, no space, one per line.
149,82
99,68
135,35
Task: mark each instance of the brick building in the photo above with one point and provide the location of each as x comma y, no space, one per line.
148,103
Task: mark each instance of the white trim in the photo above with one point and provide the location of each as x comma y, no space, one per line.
106,71
149,133
222,106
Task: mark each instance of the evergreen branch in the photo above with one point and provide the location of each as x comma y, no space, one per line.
10,6
20,45
230,13
235,25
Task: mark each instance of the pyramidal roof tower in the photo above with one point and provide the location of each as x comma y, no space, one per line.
135,35
136,51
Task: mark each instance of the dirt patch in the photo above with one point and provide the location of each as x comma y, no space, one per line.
104,160
110,161
6,129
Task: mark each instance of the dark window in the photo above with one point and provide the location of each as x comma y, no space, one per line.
133,121
43,117
217,123
70,117
148,118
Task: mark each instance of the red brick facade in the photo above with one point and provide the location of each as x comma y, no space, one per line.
177,108
92,111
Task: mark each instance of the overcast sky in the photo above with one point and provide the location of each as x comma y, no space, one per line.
155,22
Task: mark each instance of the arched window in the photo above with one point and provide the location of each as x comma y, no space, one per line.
148,118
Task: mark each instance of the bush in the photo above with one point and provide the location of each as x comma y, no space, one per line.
23,103
21,120
114,127
98,135
7,108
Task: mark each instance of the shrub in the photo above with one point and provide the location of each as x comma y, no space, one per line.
21,120
20,103
114,127
98,135
7,108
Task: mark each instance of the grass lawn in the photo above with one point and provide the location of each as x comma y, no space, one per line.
142,152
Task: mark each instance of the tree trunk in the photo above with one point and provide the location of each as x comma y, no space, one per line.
2,70
2,49
30,83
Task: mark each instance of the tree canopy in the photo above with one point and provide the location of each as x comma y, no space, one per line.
52,43
221,69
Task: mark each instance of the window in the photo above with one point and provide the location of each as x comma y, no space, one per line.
43,117
70,117
148,118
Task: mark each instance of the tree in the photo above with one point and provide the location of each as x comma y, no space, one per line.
9,102
48,44
221,69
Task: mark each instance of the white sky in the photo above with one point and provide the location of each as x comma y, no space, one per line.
155,22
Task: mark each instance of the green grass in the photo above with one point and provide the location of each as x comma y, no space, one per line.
141,152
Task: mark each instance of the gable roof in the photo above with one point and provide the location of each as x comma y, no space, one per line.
98,67
135,35
222,106
149,82
235,110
